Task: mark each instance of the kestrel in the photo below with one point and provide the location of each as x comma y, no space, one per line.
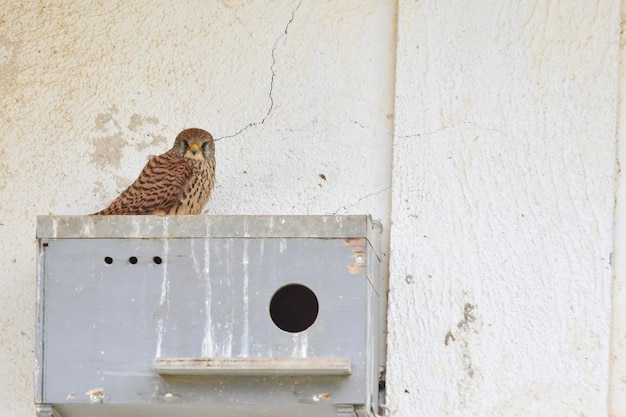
179,181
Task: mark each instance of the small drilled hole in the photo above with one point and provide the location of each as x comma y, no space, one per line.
132,260
108,260
157,260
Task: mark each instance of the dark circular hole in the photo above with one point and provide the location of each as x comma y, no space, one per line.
294,308
157,260
132,260
108,260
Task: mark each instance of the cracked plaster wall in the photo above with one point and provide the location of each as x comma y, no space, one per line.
299,93
503,151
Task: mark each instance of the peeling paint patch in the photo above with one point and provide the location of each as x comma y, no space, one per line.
158,141
137,121
324,396
355,242
139,133
467,338
357,254
146,126
9,51
96,395
170,397
356,268
108,151
99,188
105,122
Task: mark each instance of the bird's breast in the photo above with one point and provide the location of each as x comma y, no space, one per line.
197,190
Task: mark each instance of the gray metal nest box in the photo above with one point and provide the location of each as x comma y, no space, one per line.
223,316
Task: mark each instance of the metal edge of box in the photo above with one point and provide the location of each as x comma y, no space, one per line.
376,314
39,327
248,226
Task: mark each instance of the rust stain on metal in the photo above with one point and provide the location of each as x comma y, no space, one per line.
96,395
357,242
356,268
358,254
325,396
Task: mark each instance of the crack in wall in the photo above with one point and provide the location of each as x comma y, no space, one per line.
392,135
271,96
417,135
349,206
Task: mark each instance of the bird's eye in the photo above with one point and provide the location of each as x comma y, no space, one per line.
185,144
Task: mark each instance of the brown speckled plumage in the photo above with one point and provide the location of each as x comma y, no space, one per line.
179,181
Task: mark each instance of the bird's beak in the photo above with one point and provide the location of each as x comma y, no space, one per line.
194,148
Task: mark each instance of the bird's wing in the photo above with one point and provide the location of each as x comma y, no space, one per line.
158,186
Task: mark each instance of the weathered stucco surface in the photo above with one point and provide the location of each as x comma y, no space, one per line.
617,398
502,208
299,93
502,117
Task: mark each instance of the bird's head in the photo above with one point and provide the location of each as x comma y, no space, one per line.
195,144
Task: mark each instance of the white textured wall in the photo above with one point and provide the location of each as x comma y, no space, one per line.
617,398
502,219
503,167
90,89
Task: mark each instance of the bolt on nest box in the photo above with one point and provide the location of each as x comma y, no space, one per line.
208,315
